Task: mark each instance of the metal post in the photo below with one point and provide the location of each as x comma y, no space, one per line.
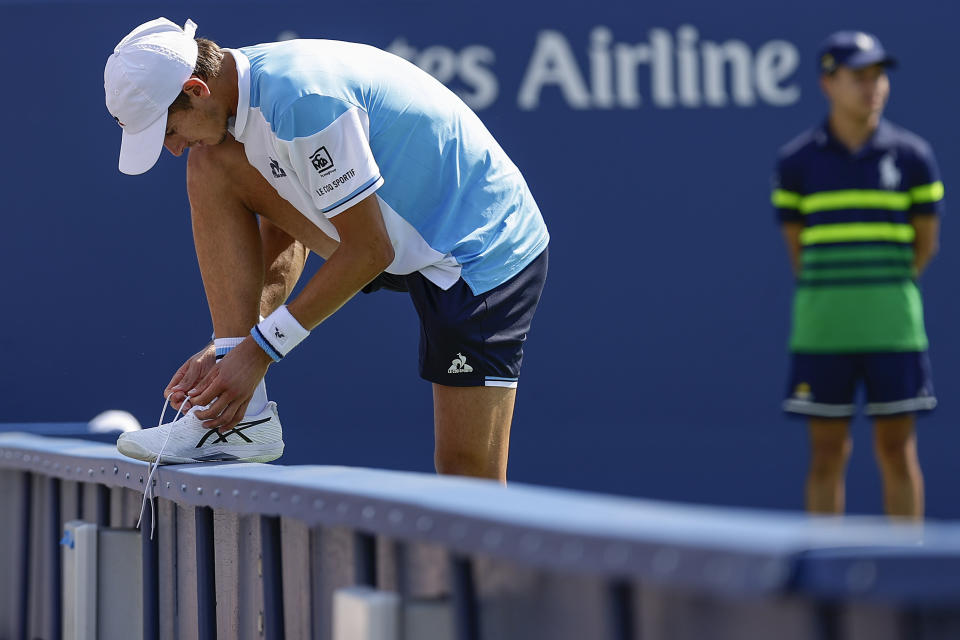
622,618
466,613
829,620
22,597
103,505
54,531
270,551
150,554
80,491
365,559
206,576
911,623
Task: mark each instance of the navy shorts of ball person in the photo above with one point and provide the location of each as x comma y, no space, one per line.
469,340
825,385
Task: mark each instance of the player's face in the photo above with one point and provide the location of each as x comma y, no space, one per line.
203,124
858,93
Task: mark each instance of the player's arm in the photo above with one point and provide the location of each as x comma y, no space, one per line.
926,242
791,236
325,142
365,250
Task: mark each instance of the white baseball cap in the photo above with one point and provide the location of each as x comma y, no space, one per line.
141,79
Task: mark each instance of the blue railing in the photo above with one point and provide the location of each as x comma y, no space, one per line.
245,550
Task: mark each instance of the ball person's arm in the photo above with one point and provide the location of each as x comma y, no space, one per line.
791,236
926,243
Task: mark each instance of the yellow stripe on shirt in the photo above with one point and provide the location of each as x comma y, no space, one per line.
858,232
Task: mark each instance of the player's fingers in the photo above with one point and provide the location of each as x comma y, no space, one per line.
226,420
176,399
204,391
212,413
188,380
174,381
239,410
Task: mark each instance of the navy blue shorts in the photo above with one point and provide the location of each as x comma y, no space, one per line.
825,385
469,340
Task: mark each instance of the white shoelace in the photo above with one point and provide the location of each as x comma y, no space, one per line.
148,490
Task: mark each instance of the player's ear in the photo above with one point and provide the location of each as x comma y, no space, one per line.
196,87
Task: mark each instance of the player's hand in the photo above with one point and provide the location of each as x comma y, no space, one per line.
229,385
187,376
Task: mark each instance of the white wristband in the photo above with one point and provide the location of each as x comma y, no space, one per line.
279,333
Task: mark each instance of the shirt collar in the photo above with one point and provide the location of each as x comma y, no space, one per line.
238,124
881,139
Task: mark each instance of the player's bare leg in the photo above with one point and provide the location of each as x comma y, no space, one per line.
895,444
225,191
830,447
227,240
472,430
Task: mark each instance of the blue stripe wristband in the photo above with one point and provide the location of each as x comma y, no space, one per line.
266,346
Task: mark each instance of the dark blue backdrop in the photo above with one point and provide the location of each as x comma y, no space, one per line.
657,360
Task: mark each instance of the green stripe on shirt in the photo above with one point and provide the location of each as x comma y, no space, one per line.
848,273
932,192
826,253
855,199
858,232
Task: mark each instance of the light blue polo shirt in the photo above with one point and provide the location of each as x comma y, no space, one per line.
329,123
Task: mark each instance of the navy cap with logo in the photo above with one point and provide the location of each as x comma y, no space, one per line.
852,49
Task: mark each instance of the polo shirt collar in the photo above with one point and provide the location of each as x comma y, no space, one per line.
881,139
238,124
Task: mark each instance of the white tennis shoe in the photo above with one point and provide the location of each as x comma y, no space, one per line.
257,438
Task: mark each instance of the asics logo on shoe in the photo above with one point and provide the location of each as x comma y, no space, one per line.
222,437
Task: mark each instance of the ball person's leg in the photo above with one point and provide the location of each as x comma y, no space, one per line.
830,448
895,445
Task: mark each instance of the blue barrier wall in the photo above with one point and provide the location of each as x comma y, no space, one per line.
647,132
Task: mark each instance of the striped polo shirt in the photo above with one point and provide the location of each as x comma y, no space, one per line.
856,290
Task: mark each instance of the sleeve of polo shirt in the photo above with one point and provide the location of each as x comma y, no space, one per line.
786,196
926,188
328,143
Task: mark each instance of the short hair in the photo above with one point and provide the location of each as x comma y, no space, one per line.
209,63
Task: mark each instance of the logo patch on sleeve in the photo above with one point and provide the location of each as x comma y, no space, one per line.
321,160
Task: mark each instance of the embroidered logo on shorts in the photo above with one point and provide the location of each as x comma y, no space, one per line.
321,160
802,392
459,365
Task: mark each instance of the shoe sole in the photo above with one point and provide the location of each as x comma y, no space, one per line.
266,453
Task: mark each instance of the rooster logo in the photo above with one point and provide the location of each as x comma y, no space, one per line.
459,365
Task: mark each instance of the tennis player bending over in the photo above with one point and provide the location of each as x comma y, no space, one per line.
364,159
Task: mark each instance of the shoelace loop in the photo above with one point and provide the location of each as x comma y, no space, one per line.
148,493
